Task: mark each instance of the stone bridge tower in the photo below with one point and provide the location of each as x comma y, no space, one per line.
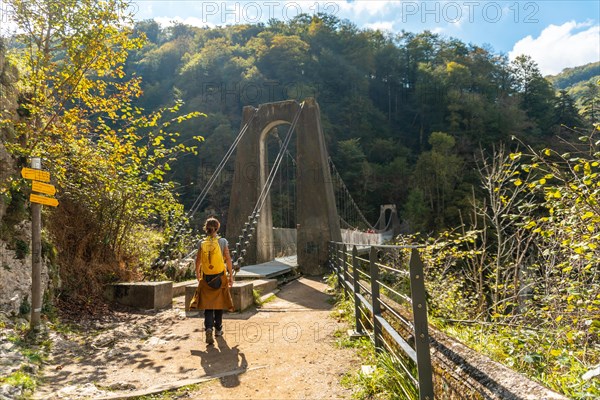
316,213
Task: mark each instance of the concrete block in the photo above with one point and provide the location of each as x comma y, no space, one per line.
144,295
265,285
190,289
179,287
241,294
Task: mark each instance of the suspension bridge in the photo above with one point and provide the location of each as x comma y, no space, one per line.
324,208
331,232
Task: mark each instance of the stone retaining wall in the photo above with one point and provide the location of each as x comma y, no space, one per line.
461,373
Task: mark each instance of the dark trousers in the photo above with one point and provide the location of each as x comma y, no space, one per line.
213,319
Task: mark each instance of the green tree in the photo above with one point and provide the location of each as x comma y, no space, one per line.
437,173
416,211
72,60
356,172
349,159
591,102
285,58
150,29
537,95
107,157
565,111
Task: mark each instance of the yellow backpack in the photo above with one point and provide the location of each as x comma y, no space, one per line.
212,256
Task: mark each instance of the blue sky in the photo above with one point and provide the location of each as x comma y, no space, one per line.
556,33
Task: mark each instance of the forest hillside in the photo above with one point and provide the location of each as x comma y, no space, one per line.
381,96
494,168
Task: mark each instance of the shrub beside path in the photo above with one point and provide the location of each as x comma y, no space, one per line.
285,349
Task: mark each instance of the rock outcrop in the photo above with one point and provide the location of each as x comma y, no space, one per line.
15,233
8,109
15,275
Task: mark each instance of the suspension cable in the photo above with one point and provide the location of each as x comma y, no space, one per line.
200,198
220,167
290,157
267,187
347,192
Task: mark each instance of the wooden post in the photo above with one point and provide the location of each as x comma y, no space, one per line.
338,268
419,304
344,272
375,299
355,279
36,256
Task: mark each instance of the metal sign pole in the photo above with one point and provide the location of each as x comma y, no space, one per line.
36,256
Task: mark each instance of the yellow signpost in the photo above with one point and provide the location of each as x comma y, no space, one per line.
47,201
35,174
38,176
44,188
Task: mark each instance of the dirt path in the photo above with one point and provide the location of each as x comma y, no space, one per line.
283,350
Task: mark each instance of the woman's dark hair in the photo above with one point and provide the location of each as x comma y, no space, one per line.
211,225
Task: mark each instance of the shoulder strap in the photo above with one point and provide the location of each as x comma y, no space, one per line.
222,245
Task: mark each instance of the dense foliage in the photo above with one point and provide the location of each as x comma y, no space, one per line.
520,281
107,158
382,97
572,76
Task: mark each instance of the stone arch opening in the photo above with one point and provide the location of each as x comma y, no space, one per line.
282,197
282,193
316,214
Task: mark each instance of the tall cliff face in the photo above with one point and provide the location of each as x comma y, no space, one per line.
15,227
8,107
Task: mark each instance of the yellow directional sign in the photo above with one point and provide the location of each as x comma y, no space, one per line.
35,174
47,201
43,188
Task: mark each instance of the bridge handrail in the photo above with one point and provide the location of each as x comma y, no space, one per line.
383,246
351,280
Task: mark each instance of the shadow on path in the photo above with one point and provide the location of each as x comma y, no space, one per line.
281,349
215,360
306,293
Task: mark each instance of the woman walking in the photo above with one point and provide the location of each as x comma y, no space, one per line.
212,261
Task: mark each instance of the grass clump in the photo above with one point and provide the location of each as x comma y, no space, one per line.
256,294
386,381
389,379
20,379
34,346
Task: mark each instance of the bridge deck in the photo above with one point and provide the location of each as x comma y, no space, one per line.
270,269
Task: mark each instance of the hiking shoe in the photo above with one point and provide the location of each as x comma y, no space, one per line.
219,332
209,336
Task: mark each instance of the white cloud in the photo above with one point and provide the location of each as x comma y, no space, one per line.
382,26
8,27
360,7
144,12
367,13
193,21
559,47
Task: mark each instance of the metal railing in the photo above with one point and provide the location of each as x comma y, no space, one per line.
382,316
